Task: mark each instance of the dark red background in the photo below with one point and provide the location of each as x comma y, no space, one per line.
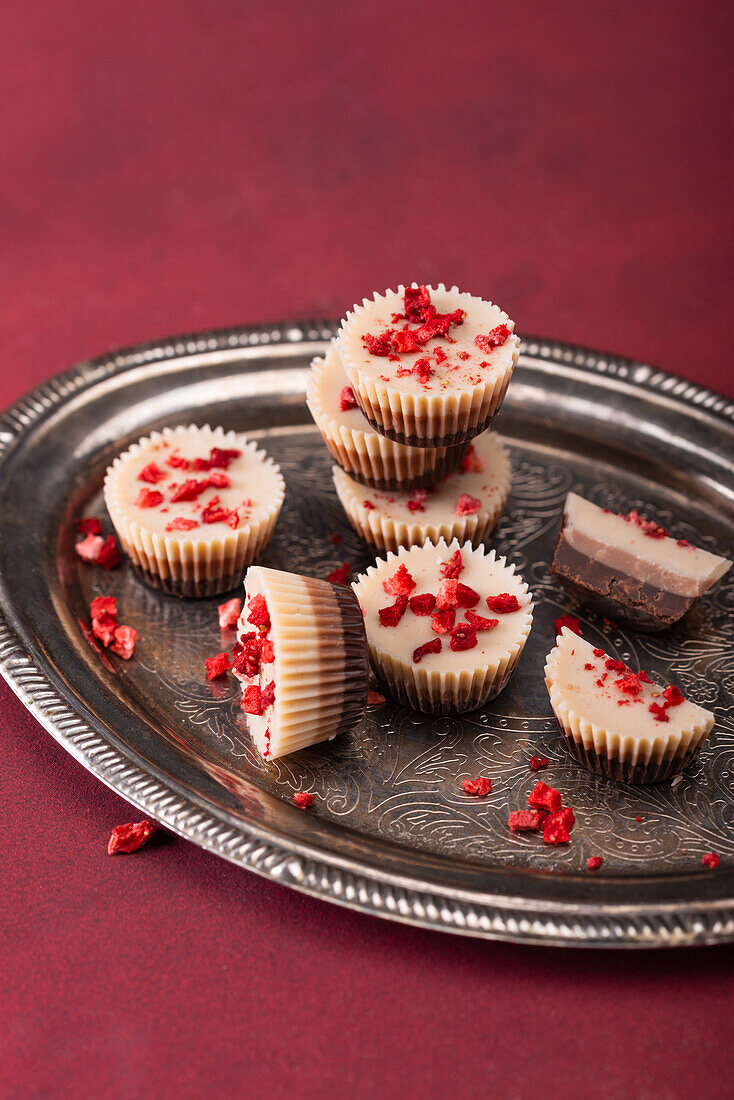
177,165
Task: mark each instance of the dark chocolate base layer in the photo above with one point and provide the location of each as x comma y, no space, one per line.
622,598
356,659
434,441
442,469
623,771
190,589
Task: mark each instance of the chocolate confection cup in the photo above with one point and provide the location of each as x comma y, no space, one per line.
372,458
184,566
442,691
385,533
425,419
321,667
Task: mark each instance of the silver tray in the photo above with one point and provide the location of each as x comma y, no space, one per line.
392,832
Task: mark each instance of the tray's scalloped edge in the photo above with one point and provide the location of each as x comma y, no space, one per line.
490,918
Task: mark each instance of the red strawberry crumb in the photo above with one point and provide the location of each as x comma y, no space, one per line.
347,400
472,463
466,596
89,525
252,700
378,345
504,604
493,339
673,696
417,301
453,567
554,832
267,694
463,636
229,613
247,654
569,621
434,646
423,604
638,819
391,616
109,556
615,666
89,548
467,505
124,644
593,863
368,505
644,677
102,605
177,462
374,699
659,713
479,622
340,575
217,666
598,652
538,762
181,523
218,481
400,584
447,594
479,787
525,821
649,527
267,653
544,797
152,474
258,613
711,859
422,370
587,666
222,456
566,817
128,838
629,684
303,800
188,490
415,504
149,498
233,520
683,542
443,621
104,626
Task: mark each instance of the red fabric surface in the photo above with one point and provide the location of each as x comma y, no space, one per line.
181,165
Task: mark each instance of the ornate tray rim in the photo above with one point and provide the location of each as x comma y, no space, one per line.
340,880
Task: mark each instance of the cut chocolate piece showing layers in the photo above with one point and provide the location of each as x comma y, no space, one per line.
301,655
617,722
630,568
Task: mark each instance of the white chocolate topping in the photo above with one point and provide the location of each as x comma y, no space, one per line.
249,485
581,683
465,365
622,545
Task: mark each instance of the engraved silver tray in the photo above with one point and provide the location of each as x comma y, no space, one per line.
392,833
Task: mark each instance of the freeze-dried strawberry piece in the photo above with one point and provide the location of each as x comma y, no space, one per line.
89,548
568,621
503,604
593,863
467,505
267,653
443,621
214,512
629,685
217,666
303,799
447,594
258,613
538,762
644,677
565,816
181,523
200,464
177,461
415,503
341,574
423,604
347,400
525,821
400,584
368,505
109,556
614,665
374,699
124,644
267,694
89,525
406,341
128,838
710,859
222,456
152,474
434,646
217,480
555,832
479,787
391,616
233,520
252,700
472,463
188,490
417,299
466,596
648,527
247,654
479,622
229,613
544,797
598,652
463,636
103,605
422,370
493,339
454,566
148,498
659,713
378,345
673,696
104,626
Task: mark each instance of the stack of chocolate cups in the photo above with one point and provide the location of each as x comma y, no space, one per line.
404,399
